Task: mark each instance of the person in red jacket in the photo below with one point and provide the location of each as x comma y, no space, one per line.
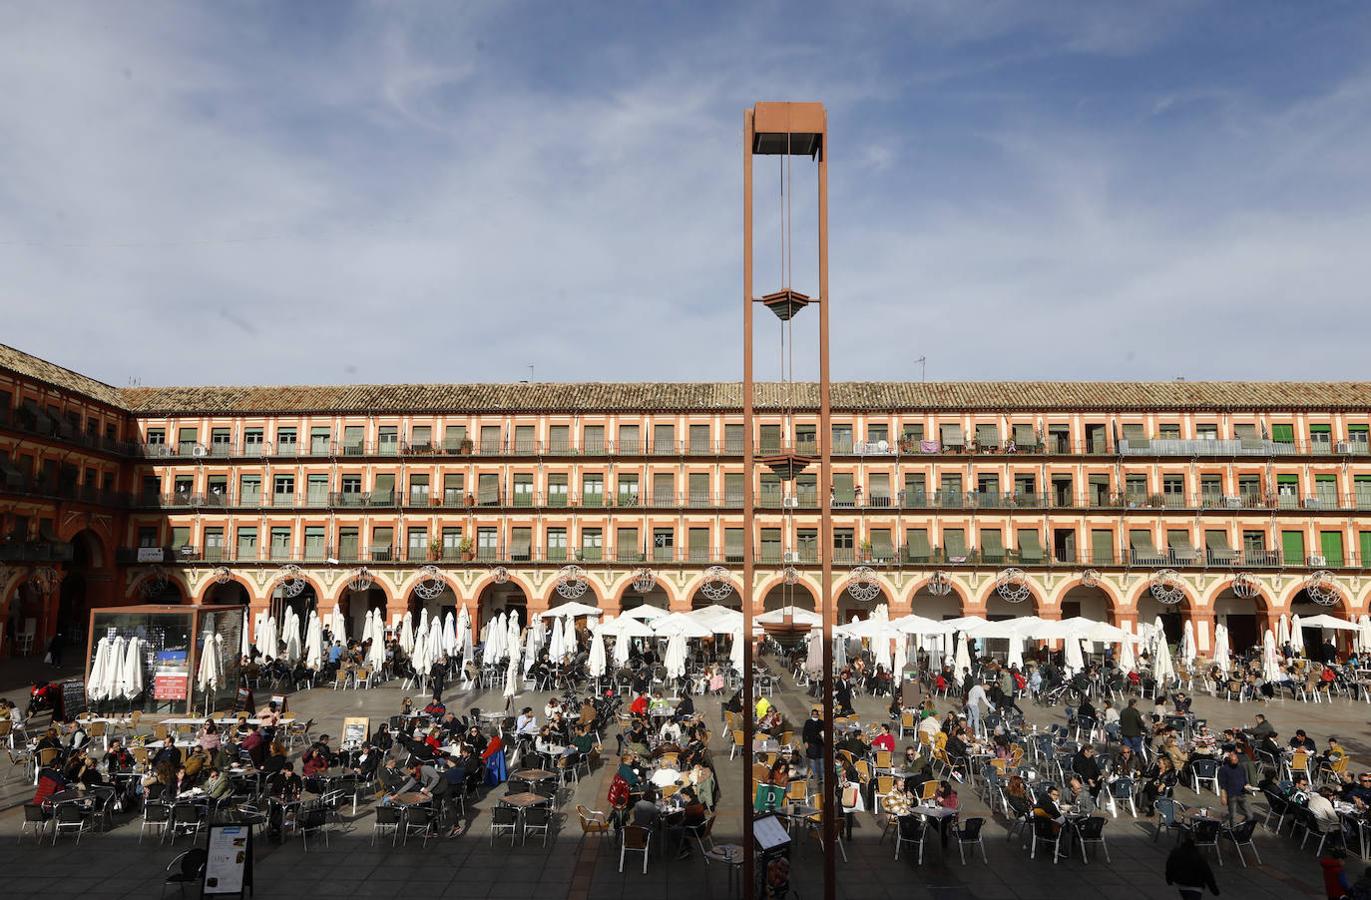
639,705
50,783
884,741
1334,874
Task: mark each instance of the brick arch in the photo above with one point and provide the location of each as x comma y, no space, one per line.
173,577
1037,596
1113,602
1264,600
1287,599
962,591
627,581
693,586
489,579
592,580
888,593
406,587
101,534
1137,593
210,583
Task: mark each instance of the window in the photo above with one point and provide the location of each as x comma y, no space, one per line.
698,544
628,439
352,489
348,545
592,544
556,545
523,489
521,544
319,441
1319,438
421,438
280,542
559,439
488,489
250,489
487,543
593,490
454,437
663,544
185,441
593,439
1102,547
733,438
626,547
844,491
418,544
1173,491
1283,434
315,550
219,439
733,489
628,490
875,433
878,492
844,545
698,485
1326,491
663,490
490,439
556,490
147,534
842,438
1169,431
664,439
912,434
806,439
252,440
285,441
382,543
283,485
699,439
353,438
388,440
770,439
524,440
771,546
987,437
247,543
1207,432
733,545
1330,546
1357,438
418,490
1292,547
180,537
214,544
1287,491
454,487
317,487
915,489
452,542
383,489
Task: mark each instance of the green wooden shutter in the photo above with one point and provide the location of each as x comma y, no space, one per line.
1292,547
1283,434
1330,544
1364,548
1102,547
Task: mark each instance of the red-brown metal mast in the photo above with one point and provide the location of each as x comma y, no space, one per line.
788,129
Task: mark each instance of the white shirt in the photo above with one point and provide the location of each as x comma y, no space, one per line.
930,726
976,697
1322,809
527,724
1111,716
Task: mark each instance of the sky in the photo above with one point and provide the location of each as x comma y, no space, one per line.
244,192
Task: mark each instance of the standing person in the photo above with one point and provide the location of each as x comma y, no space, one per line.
1188,870
1233,785
1132,727
975,700
813,736
1335,883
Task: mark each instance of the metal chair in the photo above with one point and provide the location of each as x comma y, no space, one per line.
969,832
185,818
187,868
1241,836
1091,831
388,819
69,817
1204,771
537,819
911,830
418,820
1046,831
1206,834
1168,818
312,819
593,821
36,818
502,819
1120,790
634,839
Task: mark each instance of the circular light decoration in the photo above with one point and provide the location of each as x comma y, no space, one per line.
46,579
716,586
1322,589
1245,586
571,582
644,580
292,580
499,575
222,575
939,585
1167,587
791,575
361,579
156,583
431,583
864,587
1012,586
1090,578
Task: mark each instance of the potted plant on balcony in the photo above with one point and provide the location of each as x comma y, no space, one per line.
866,551
435,549
465,548
465,448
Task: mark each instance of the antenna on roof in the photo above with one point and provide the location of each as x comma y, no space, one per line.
530,372
923,367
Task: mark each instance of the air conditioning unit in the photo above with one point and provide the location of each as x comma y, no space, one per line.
162,450
1232,502
199,450
791,502
1318,560
790,557
1311,502
1344,447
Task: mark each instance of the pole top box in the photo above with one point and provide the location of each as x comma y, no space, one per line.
780,128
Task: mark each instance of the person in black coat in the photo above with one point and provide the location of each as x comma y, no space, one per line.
813,737
1187,868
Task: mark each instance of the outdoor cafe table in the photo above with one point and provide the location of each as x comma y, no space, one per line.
730,855
533,775
523,800
1348,813
413,798
664,776
765,745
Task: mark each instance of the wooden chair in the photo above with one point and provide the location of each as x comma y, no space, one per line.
159,732
907,723
884,760
797,792
930,791
634,839
737,744
593,821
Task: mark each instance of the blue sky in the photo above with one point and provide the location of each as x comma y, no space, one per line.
396,192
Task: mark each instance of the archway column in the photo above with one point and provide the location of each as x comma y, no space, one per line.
1203,620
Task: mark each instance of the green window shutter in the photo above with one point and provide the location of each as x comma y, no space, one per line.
1364,547
1320,429
916,544
1102,546
1292,547
1030,547
1283,434
1330,544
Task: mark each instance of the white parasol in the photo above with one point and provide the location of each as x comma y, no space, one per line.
1364,634
814,657
557,649
211,669
962,657
1296,635
407,632
675,660
450,644
494,638
376,654
314,643
1271,661
294,645
1188,652
337,625
596,665
622,645
131,680
1162,668
259,635
1073,662
901,660
464,626
512,635
530,648
1221,647
95,687
839,653
1127,660
735,653
679,623
571,609
880,651
245,644
512,673
1283,631
1015,657
646,613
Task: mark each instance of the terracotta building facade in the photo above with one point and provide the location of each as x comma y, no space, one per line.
1118,501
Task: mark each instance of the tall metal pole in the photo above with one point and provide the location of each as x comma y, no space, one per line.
749,860
830,809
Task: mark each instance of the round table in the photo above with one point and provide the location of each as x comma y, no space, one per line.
413,798
664,777
533,775
731,855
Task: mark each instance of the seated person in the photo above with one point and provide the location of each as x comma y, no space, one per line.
1046,808
1302,741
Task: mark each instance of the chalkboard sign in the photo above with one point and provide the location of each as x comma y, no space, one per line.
356,729
73,697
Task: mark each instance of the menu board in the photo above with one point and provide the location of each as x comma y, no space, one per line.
228,866
73,698
355,731
170,684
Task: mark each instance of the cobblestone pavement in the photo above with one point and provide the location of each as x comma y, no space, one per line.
117,865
